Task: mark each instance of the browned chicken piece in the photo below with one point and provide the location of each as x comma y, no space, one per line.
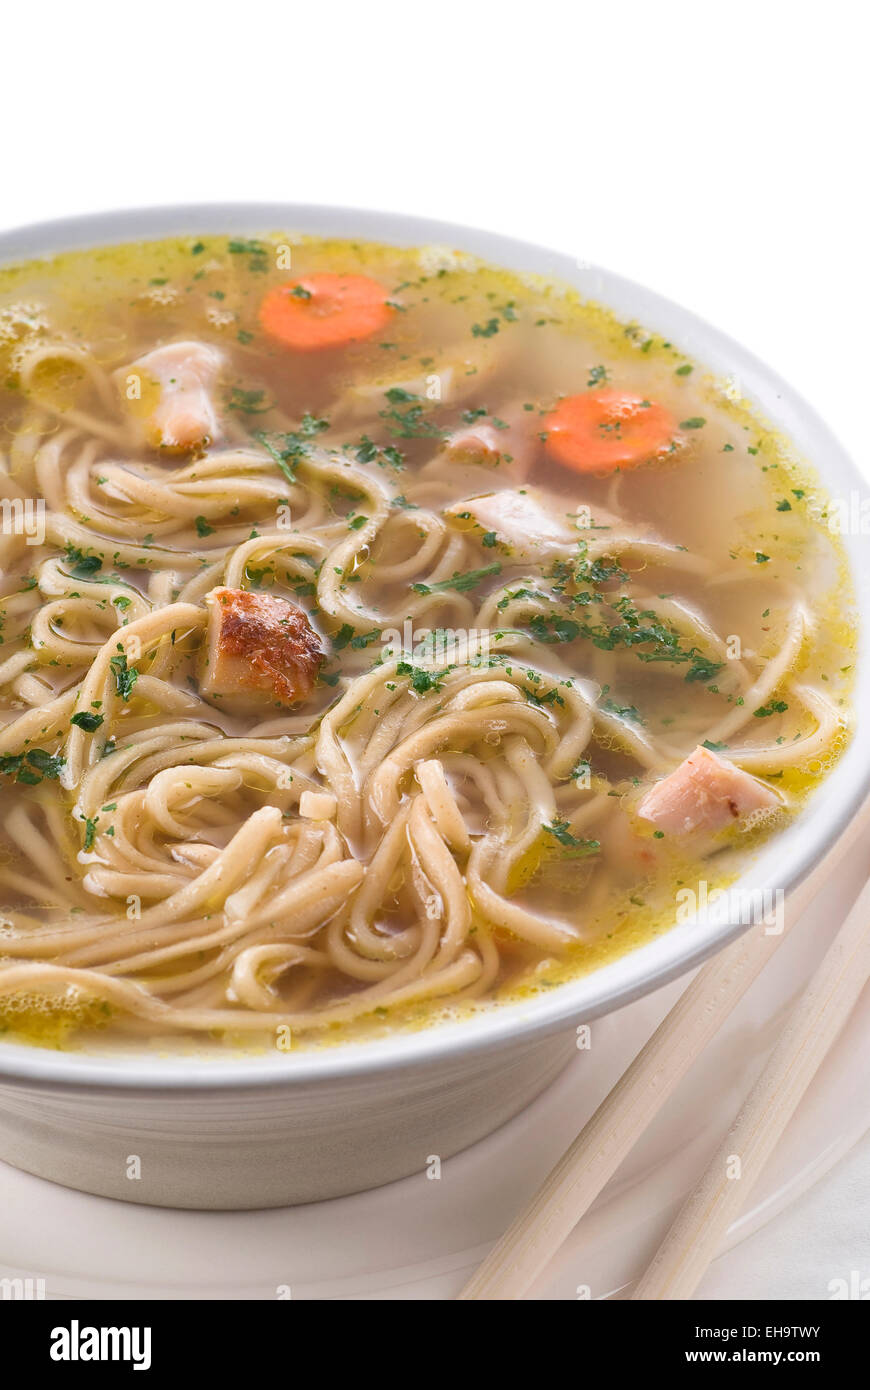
171,391
259,651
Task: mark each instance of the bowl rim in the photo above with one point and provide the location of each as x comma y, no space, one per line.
781,864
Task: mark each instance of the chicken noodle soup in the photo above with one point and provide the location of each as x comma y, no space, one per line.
384,635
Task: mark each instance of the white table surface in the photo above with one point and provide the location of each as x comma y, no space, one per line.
819,1248
713,153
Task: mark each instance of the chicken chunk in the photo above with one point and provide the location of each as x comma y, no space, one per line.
479,443
526,521
259,651
705,792
170,390
509,445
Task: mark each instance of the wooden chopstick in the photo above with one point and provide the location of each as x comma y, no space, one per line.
817,1019
537,1233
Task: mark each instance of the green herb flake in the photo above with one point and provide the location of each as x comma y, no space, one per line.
84,720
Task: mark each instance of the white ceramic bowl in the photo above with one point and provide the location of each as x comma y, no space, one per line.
249,1132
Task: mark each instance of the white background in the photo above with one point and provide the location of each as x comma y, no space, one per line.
717,153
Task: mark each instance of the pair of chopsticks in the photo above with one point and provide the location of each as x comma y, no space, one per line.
692,1242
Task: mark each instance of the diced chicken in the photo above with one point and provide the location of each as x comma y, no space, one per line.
705,792
259,650
171,390
526,521
509,445
474,444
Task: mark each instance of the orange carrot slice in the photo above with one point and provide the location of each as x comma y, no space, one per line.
600,431
325,311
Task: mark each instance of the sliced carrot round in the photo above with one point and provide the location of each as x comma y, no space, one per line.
323,310
600,431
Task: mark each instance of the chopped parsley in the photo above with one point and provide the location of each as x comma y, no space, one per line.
87,721
31,767
257,250
556,629
630,712
639,630
248,402
409,423
125,676
81,566
289,450
775,707
577,848
459,583
367,451
421,681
